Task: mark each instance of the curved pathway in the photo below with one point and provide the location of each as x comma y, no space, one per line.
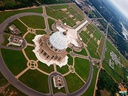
19,85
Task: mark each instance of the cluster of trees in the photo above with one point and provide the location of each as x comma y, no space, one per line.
106,82
14,4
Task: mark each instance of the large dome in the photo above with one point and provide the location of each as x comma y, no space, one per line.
59,40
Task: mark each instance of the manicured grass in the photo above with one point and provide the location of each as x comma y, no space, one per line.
112,72
56,14
79,17
82,67
100,48
34,21
30,53
63,69
56,7
10,89
72,11
90,28
73,82
20,26
98,36
92,50
68,49
29,37
6,36
35,80
55,90
45,68
84,39
67,22
3,80
76,8
118,71
12,58
84,33
71,21
82,52
50,21
90,89
40,32
4,15
70,60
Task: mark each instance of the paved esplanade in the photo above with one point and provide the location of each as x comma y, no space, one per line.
15,82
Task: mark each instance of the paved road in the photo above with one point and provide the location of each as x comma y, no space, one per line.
15,82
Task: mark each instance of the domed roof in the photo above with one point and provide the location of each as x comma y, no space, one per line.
59,40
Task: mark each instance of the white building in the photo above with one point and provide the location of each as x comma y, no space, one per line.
15,40
58,82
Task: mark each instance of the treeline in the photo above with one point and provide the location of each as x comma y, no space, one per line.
106,82
15,4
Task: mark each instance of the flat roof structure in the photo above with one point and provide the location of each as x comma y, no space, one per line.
14,29
15,40
58,81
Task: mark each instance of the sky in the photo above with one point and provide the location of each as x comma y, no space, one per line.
122,6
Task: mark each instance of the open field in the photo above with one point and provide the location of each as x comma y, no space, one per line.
30,53
70,14
45,68
90,90
63,69
82,52
118,69
12,61
82,67
92,38
5,15
34,21
29,37
71,80
38,80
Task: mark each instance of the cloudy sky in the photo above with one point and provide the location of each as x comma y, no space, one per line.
122,5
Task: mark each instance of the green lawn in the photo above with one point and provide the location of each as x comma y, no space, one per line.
100,48
6,36
40,32
3,80
20,26
35,80
12,58
118,71
55,90
63,69
82,52
45,68
92,50
4,15
90,89
67,22
50,21
57,7
82,67
73,82
29,37
30,53
68,50
76,8
70,60
34,21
